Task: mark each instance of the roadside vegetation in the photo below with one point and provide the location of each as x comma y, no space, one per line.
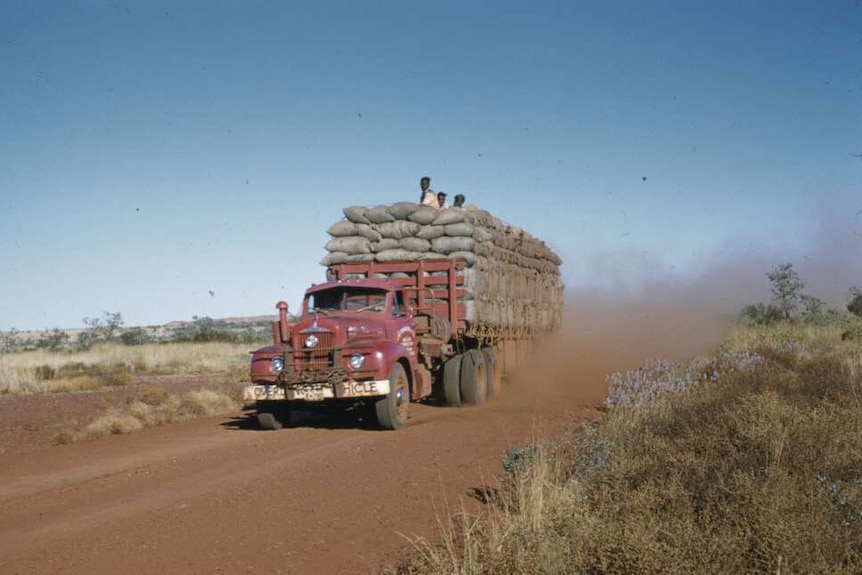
111,365
745,461
154,407
105,356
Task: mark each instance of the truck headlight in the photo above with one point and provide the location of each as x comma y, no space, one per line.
276,363
357,360
311,341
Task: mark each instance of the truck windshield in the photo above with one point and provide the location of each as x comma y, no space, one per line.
347,299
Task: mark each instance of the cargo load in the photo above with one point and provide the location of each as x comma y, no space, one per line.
511,280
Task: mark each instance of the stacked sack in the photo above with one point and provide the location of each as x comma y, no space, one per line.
512,280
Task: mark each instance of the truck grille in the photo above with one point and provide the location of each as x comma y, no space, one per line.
316,358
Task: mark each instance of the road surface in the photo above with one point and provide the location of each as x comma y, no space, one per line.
216,495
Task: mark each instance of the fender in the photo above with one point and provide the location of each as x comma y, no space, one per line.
259,363
385,354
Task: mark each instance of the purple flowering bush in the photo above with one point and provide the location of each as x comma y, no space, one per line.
659,377
644,385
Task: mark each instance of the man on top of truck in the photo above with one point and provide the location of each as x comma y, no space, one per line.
428,197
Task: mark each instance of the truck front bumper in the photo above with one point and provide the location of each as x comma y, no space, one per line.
320,391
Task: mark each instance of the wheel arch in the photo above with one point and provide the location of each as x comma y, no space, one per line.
408,369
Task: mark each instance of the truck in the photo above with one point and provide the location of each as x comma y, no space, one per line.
378,335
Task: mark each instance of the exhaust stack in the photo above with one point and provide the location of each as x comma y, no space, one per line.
283,323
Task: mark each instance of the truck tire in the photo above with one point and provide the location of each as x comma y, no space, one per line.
392,410
452,380
474,380
494,371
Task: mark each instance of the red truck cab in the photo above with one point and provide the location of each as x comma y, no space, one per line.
355,341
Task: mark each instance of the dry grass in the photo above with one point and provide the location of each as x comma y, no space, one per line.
155,407
113,364
758,472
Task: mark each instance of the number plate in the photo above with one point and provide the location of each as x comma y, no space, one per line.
307,394
310,392
263,392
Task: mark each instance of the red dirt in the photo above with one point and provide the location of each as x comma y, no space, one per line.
213,495
28,421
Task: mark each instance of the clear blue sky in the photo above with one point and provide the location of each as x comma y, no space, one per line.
154,152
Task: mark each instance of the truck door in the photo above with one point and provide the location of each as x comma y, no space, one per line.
402,324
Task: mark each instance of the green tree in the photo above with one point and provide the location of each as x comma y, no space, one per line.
786,289
9,340
103,328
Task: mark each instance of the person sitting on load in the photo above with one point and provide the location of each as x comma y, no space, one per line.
442,204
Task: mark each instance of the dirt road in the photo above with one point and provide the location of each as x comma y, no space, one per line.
213,495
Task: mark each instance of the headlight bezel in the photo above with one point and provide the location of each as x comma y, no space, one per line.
276,364
356,361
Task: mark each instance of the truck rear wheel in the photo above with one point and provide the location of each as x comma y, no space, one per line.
494,370
392,410
474,381
452,380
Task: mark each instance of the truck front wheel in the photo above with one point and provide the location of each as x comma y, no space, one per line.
274,418
474,381
391,411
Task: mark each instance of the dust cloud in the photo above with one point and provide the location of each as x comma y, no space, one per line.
623,322
616,329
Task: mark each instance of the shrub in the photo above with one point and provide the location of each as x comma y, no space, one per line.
153,396
855,305
853,332
205,329
517,457
53,340
113,422
115,376
761,314
203,402
72,369
76,383
135,336
85,340
45,372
